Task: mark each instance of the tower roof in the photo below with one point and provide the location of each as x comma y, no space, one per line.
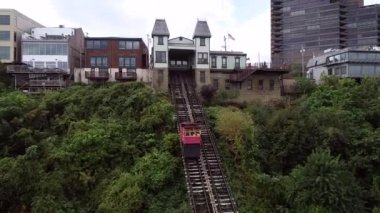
160,28
202,30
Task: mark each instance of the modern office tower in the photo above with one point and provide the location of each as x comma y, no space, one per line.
12,25
363,26
302,29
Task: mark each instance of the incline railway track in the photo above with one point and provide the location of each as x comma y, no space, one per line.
207,186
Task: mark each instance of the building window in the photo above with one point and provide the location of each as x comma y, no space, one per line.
311,75
129,45
96,44
237,62
122,45
224,62
14,36
297,13
261,84
329,71
271,84
39,64
99,61
202,58
249,85
227,84
160,56
5,53
215,83
213,61
202,42
5,20
129,62
5,36
44,49
160,40
51,64
202,76
136,45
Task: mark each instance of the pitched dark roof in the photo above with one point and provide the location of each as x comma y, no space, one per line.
160,28
202,30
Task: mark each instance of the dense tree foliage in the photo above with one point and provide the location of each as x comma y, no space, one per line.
111,148
318,153
4,77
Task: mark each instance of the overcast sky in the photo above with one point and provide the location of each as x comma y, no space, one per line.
248,21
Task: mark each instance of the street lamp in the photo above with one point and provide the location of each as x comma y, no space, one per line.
302,51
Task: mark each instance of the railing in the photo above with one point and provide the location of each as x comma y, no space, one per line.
97,74
125,76
172,44
30,69
265,65
47,83
180,67
242,74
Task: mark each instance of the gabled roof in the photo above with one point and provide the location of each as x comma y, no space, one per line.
160,28
180,37
202,30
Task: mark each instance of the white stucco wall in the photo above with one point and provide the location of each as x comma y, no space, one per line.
204,49
316,73
143,75
230,61
157,47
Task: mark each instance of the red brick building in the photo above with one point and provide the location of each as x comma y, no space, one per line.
113,59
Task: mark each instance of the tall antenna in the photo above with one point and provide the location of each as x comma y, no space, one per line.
225,43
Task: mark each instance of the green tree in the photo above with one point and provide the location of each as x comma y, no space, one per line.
5,80
324,181
124,194
304,86
156,168
208,93
233,125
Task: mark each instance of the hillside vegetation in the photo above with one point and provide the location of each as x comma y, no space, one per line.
318,153
112,148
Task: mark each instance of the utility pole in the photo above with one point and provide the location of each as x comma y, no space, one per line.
225,44
302,51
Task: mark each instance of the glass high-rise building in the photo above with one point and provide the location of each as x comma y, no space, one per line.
305,28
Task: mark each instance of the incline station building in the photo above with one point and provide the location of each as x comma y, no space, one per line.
225,70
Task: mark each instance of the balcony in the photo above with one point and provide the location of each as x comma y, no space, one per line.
47,83
126,76
97,75
179,65
30,69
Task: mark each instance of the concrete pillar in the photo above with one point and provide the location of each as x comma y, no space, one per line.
161,79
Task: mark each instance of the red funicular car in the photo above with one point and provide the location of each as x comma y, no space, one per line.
190,135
